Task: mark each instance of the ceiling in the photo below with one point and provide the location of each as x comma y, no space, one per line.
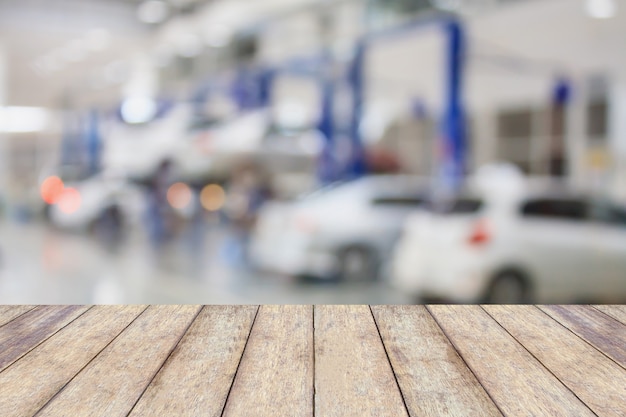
51,44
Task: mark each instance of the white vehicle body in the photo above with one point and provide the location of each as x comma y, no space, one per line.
138,150
563,246
98,194
310,236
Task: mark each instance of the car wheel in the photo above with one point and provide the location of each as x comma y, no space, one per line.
110,223
357,264
508,288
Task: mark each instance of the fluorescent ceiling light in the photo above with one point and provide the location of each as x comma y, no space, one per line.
23,119
138,109
601,9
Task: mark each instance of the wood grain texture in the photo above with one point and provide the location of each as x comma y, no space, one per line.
31,381
31,328
433,378
353,376
196,378
111,384
8,313
618,312
603,332
275,376
583,369
516,381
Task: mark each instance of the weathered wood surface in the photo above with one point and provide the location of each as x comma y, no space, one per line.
32,381
352,374
561,354
518,383
111,384
433,377
618,312
8,313
312,361
31,328
196,379
275,377
605,333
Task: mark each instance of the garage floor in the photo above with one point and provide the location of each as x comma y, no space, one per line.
40,265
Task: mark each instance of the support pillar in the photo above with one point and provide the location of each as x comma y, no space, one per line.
617,135
453,136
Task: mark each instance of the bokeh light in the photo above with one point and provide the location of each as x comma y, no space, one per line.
212,197
179,195
51,189
70,201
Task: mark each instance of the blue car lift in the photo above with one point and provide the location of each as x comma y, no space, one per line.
252,89
452,123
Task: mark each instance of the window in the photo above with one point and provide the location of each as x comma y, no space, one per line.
565,209
609,213
515,131
515,124
461,205
399,201
597,119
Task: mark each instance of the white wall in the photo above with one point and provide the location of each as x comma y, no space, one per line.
514,55
3,139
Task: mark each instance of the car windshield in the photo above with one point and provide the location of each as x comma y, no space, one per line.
608,212
463,204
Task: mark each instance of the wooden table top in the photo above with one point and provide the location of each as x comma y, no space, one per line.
324,360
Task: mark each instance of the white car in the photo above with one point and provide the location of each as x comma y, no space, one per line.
537,243
199,151
97,198
342,231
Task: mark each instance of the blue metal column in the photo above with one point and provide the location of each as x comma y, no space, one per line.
453,120
93,142
266,82
327,165
356,77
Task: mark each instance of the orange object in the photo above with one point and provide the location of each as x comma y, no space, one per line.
51,189
179,195
70,201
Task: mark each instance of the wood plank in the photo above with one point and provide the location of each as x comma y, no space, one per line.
514,379
33,327
275,376
603,332
112,383
583,369
31,381
353,376
618,312
198,375
433,378
8,313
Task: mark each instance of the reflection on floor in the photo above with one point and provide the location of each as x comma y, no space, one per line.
40,265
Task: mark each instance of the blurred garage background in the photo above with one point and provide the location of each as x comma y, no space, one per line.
312,151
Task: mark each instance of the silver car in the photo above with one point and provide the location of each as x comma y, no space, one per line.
343,231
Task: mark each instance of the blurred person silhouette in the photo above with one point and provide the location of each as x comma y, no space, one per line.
248,190
159,215
195,236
